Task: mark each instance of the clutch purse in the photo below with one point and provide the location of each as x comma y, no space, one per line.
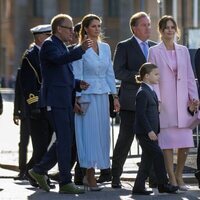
195,120
84,107
84,104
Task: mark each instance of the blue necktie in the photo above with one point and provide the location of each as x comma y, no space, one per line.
145,49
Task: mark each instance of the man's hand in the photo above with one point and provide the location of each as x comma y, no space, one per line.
152,136
16,119
84,85
86,44
116,105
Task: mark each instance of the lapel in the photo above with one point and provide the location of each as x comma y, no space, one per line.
147,88
179,57
137,48
163,52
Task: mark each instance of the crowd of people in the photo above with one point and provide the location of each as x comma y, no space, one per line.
63,87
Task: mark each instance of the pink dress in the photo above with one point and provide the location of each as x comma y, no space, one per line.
174,137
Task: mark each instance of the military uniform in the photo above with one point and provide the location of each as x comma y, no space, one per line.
41,130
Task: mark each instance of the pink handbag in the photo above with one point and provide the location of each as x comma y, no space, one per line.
195,120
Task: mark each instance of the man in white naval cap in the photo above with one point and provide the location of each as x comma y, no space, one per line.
30,79
41,29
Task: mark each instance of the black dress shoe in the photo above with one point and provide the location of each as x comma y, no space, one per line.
20,177
167,188
197,175
104,178
141,192
116,185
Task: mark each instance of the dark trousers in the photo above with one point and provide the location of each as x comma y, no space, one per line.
198,158
123,144
151,155
23,143
41,135
63,123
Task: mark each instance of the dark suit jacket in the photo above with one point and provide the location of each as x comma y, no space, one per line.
147,114
58,80
128,58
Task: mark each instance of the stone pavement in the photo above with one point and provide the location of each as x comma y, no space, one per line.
21,190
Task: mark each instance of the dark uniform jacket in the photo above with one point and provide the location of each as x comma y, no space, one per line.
31,77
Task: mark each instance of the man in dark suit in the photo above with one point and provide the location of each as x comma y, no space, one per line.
20,116
129,56
56,98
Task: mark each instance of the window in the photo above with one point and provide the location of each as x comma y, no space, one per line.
113,8
77,8
37,8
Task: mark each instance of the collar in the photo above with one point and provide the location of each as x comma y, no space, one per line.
140,41
150,86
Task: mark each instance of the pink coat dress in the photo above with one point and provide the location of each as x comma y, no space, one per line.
176,87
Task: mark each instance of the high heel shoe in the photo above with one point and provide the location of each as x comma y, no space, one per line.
87,187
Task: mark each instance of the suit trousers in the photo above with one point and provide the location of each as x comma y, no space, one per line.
151,155
123,144
41,135
23,143
60,151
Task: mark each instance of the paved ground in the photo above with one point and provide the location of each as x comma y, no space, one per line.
17,190
21,190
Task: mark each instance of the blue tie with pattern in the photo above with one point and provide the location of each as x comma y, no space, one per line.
145,49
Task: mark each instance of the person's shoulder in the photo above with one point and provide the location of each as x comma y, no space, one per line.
152,43
180,46
28,52
156,46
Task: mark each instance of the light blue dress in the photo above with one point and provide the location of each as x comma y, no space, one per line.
93,128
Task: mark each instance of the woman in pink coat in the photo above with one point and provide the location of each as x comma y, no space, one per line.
176,89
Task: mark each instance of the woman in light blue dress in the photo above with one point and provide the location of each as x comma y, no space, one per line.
92,122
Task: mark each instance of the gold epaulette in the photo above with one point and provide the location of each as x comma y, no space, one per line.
32,99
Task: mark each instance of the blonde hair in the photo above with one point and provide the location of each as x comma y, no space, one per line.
86,21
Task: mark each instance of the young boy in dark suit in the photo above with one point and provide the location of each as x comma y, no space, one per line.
147,127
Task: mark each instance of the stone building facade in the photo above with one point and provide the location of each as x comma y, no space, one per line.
18,16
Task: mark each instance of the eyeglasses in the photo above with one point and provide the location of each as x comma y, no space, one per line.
69,28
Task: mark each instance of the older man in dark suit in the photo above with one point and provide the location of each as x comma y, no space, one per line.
129,56
56,96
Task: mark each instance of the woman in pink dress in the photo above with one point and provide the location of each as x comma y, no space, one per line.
176,89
